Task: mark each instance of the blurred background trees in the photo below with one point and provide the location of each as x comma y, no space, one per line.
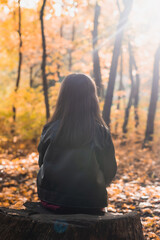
115,42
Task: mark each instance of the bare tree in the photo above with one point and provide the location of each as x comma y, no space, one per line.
96,61
58,65
43,66
136,92
116,52
153,100
71,49
131,96
120,88
20,56
31,76
33,73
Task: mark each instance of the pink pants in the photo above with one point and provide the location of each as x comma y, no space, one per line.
61,209
50,206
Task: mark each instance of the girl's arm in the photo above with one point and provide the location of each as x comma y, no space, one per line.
109,160
43,144
106,157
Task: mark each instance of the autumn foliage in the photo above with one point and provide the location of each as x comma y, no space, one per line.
118,44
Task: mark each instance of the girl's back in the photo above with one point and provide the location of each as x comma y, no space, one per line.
76,153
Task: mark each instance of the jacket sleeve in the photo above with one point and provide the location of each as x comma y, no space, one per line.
43,144
107,159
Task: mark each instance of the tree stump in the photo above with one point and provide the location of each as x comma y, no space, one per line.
37,223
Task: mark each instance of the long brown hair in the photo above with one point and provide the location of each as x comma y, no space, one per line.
77,108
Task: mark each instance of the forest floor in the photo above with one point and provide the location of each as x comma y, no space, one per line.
135,188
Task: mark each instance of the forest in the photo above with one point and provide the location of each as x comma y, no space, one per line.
117,43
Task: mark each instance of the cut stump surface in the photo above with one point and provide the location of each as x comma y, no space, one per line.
37,223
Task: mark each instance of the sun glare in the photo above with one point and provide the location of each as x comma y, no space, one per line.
29,3
146,15
57,5
58,8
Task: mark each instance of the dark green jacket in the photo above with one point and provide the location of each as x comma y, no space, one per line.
75,177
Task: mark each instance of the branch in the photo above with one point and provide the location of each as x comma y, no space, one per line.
118,5
50,74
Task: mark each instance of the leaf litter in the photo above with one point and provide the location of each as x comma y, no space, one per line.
136,186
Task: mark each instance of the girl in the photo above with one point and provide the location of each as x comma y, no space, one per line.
76,153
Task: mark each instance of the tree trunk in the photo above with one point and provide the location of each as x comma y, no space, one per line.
153,100
31,77
121,88
36,223
130,101
20,56
136,93
58,65
116,52
43,66
71,49
96,61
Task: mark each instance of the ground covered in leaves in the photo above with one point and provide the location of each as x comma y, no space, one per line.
135,188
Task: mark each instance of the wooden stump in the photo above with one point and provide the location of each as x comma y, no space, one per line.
37,223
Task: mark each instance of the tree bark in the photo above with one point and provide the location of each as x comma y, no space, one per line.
31,77
116,52
43,66
136,93
96,60
153,99
58,65
20,57
39,224
71,49
130,101
121,87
